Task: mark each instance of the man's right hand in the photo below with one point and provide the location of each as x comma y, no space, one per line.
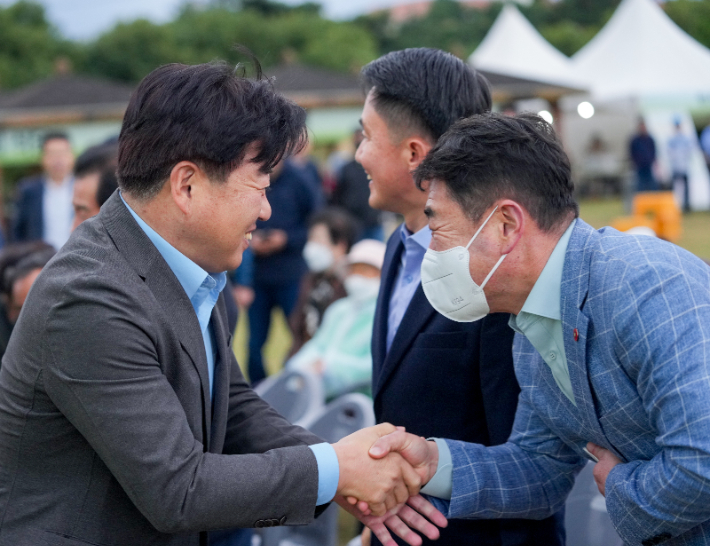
423,455
381,483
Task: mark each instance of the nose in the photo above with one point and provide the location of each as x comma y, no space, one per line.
265,212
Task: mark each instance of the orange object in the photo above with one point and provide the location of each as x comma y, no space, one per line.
661,208
625,223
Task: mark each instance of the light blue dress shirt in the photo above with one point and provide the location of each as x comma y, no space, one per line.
539,320
408,278
203,289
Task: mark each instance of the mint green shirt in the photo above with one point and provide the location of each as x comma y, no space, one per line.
540,318
540,321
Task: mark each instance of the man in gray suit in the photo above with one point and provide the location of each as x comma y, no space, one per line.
124,418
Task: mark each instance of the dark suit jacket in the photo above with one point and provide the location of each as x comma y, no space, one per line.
107,433
28,223
451,380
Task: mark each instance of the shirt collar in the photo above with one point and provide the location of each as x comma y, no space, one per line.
421,237
189,274
544,298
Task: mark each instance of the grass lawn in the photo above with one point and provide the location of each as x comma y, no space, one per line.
696,225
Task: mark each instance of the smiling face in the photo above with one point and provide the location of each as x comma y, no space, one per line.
226,214
387,159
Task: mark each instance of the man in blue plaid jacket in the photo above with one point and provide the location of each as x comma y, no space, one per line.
612,344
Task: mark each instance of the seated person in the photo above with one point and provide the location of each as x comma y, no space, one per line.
331,233
340,350
20,263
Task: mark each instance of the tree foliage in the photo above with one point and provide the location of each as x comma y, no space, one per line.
29,46
275,31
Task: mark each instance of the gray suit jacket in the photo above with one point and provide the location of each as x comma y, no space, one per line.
107,432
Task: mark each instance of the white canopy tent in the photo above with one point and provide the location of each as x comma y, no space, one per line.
643,56
514,48
641,52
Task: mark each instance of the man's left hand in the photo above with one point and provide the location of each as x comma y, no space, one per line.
403,520
607,461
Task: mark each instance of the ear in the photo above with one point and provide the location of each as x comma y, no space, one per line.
415,149
512,225
183,177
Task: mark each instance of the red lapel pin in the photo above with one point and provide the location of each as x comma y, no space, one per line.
576,334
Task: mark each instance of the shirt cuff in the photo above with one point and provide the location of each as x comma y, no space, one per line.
441,483
328,472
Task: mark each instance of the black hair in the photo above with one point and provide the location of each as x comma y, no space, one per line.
342,226
54,135
489,157
108,182
95,159
208,114
19,259
424,90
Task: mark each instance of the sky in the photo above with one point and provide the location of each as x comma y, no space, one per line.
86,19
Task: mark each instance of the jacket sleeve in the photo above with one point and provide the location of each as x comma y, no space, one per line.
527,477
662,333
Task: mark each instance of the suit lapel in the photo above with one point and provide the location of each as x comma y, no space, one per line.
220,389
140,252
575,324
393,255
417,315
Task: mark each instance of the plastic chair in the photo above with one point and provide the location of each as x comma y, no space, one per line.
587,522
295,394
341,417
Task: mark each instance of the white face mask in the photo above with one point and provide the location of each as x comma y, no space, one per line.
361,288
318,256
448,285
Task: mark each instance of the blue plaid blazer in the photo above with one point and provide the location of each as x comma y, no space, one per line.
636,324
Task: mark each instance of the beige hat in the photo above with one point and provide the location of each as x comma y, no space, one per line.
367,251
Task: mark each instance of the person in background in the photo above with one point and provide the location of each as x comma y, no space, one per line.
331,233
20,264
277,246
413,97
43,207
94,180
352,193
680,149
340,350
642,149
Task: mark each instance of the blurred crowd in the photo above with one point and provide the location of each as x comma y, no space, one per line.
322,245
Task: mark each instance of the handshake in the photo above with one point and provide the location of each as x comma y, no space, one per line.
382,469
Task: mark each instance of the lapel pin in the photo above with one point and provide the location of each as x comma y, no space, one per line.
576,334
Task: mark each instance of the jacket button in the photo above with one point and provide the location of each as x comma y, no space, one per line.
282,521
259,524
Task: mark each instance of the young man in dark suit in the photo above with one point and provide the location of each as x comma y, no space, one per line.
432,375
124,417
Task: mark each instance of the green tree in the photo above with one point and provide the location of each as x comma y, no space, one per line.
693,17
29,45
130,50
567,36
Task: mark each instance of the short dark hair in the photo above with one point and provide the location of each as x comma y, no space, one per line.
108,182
95,159
54,135
342,226
489,157
17,260
208,114
425,90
